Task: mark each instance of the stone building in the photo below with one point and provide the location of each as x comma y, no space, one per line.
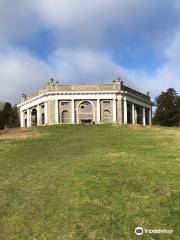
85,104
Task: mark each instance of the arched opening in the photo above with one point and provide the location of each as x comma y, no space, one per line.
65,116
85,112
43,118
106,116
34,117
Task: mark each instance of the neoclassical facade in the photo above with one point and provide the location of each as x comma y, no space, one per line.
85,104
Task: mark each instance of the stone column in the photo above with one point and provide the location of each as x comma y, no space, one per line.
28,118
114,111
56,109
125,110
150,117
22,118
133,114
119,109
38,115
46,112
72,111
144,116
77,116
98,111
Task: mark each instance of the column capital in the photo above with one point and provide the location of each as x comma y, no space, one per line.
119,96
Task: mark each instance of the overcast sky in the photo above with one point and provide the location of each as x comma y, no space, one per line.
78,41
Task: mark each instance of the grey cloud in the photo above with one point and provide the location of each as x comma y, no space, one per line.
110,23
21,73
92,23
18,20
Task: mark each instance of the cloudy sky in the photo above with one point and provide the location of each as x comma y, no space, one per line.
78,41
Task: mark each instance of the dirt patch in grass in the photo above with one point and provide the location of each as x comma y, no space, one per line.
166,192
144,128
172,132
154,128
117,154
19,133
137,127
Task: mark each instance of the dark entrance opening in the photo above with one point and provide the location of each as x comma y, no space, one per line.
86,121
34,117
129,113
25,122
43,119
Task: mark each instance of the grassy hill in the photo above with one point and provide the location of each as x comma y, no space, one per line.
89,182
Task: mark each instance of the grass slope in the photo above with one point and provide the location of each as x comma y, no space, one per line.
90,182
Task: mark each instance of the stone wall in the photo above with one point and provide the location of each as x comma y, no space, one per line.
65,105
51,112
106,105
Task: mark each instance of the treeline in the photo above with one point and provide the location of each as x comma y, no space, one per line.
9,116
167,111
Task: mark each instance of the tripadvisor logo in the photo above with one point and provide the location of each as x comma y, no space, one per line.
139,231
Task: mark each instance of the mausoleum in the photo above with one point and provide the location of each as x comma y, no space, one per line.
85,104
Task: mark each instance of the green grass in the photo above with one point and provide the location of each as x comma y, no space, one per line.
90,182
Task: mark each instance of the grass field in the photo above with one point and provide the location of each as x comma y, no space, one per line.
91,183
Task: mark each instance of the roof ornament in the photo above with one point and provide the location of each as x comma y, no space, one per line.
118,80
23,97
51,82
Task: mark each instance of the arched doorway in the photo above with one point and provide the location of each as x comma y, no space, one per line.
34,117
106,116
86,112
65,116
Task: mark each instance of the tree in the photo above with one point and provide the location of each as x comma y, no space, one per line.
1,121
178,110
15,117
168,109
1,106
9,116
